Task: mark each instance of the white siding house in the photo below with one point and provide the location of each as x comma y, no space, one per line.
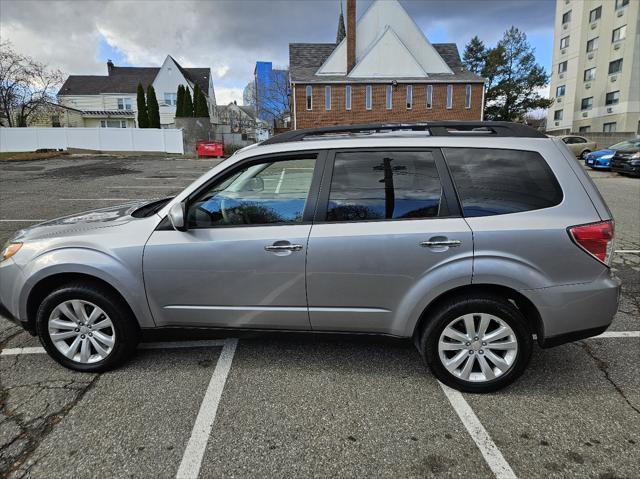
110,101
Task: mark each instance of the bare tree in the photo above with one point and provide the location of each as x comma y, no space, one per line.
25,86
272,97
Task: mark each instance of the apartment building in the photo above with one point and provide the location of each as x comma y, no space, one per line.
595,79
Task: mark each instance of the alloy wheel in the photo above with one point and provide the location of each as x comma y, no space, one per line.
478,347
81,331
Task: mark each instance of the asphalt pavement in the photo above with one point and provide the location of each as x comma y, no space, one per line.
297,405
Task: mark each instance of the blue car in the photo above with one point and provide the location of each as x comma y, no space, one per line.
601,159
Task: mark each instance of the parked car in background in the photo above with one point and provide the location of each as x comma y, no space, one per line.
601,159
579,145
468,237
626,159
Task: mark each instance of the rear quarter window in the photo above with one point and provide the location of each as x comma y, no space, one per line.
496,182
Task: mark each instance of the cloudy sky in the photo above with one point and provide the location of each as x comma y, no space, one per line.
78,36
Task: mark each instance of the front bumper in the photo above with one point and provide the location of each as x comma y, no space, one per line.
11,280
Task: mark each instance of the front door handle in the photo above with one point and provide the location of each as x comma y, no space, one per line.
439,244
283,247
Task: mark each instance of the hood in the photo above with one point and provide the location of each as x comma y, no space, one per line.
600,153
89,220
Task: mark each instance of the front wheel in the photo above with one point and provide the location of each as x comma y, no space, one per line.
86,328
477,344
583,155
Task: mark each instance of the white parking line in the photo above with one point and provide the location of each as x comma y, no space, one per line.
206,343
19,221
627,251
194,452
618,334
100,199
492,455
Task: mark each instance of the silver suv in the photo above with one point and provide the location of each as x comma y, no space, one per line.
470,238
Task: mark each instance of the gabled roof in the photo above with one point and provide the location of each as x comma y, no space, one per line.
126,79
306,58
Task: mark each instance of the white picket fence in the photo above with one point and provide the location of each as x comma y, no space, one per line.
99,139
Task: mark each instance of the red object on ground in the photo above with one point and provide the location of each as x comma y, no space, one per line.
209,148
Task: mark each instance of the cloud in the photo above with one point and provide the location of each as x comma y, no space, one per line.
224,96
230,36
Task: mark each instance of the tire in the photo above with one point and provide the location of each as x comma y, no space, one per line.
584,154
116,323
497,313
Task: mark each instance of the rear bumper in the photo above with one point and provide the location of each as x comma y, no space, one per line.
626,169
577,311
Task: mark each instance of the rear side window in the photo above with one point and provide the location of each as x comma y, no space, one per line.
496,182
383,186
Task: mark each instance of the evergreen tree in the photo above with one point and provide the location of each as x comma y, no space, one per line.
187,110
180,101
200,106
143,116
153,108
513,79
474,56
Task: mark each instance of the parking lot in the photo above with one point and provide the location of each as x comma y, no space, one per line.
301,405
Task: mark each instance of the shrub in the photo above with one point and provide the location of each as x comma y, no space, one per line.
231,149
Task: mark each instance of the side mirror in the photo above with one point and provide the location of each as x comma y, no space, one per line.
177,217
254,184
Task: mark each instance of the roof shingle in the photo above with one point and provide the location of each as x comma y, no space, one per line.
306,58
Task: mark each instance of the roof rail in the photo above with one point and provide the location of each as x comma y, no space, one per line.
437,128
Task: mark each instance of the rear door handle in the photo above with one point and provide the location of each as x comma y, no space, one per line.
436,244
283,247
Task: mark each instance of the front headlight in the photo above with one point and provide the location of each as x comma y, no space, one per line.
9,249
606,157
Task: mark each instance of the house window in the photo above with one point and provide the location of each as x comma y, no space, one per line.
612,98
170,99
592,45
595,14
55,121
467,96
449,96
368,97
429,96
562,67
609,127
589,74
124,103
113,123
566,18
564,42
620,4
409,97
619,34
309,97
560,90
327,98
557,115
587,103
584,129
389,99
615,66
347,97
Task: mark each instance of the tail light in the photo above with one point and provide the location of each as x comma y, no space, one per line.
596,239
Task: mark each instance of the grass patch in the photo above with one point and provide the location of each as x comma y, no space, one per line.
30,155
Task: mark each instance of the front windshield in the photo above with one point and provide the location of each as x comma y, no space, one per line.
626,145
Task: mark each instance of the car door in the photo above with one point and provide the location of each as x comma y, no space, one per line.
241,263
571,144
387,234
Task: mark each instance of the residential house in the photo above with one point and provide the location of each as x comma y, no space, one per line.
239,125
596,63
51,115
384,70
110,100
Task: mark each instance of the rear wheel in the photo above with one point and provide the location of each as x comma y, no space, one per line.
584,154
86,329
476,344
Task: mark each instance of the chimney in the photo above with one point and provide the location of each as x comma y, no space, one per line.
351,34
109,67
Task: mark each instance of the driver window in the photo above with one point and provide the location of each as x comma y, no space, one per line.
274,192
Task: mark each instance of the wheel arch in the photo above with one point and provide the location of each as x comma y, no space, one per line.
49,283
524,304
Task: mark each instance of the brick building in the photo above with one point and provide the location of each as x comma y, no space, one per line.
384,70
